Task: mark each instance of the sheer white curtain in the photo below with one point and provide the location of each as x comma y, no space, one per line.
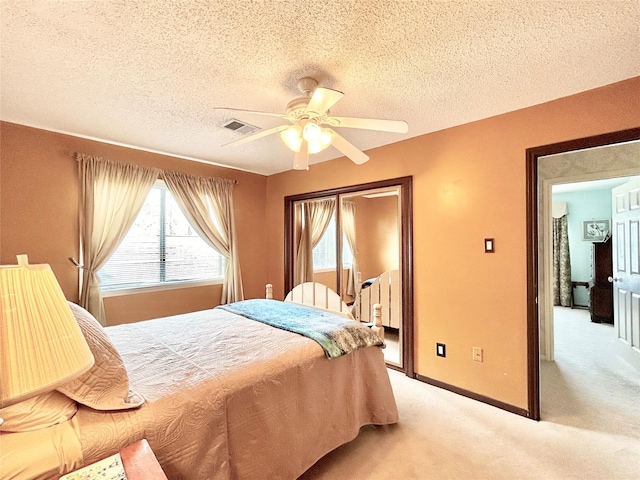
317,215
349,228
112,195
207,203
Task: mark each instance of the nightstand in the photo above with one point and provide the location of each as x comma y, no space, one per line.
140,463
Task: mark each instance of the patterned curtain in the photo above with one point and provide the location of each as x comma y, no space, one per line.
562,289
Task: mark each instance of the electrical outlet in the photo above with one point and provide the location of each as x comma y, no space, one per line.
478,354
441,350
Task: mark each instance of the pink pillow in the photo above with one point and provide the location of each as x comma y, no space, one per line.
106,385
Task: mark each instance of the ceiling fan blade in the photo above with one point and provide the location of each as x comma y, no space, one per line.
253,112
322,100
397,126
348,149
301,160
255,136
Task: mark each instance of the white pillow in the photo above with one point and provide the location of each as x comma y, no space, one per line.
106,385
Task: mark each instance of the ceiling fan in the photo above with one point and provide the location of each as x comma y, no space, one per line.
310,121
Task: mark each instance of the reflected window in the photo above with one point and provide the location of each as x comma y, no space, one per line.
324,253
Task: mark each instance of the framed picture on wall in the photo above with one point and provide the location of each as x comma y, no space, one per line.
596,230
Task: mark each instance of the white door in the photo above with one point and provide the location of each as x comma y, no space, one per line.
626,269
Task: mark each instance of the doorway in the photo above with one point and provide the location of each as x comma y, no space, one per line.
586,383
544,168
359,242
580,209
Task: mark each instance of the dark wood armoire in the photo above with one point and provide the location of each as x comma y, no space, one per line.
601,293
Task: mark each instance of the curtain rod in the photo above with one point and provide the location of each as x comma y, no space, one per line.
74,155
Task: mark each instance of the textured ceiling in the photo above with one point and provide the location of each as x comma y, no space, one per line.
607,184
148,74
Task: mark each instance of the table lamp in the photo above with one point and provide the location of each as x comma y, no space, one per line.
41,344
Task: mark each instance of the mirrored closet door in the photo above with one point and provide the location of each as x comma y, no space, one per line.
357,241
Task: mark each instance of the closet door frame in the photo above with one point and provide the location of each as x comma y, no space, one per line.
406,250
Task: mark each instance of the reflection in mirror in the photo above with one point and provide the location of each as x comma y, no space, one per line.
362,264
357,240
370,223
315,242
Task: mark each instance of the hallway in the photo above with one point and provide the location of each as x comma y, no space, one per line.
588,386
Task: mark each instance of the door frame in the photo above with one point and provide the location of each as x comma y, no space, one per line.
533,282
406,251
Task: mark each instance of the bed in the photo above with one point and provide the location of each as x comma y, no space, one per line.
317,295
225,397
384,290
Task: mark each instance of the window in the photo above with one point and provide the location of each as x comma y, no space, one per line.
324,253
160,248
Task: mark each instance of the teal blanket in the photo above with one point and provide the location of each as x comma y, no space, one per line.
335,334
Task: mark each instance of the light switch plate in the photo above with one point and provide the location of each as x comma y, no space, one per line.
489,245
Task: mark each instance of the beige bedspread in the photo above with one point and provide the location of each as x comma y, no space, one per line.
231,398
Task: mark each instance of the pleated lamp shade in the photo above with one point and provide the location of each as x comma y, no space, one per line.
41,345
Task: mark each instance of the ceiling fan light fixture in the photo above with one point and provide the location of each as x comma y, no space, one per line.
326,137
317,138
322,141
311,132
292,137
306,134
315,147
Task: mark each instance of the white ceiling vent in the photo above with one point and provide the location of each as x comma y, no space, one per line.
240,127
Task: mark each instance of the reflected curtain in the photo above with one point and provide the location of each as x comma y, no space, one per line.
111,196
562,287
317,216
207,203
349,228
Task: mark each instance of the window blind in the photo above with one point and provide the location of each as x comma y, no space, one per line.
160,248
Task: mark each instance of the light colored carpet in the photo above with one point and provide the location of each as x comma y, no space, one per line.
392,349
590,428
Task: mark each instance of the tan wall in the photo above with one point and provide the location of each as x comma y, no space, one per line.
143,306
39,211
469,183
377,235
377,240
327,278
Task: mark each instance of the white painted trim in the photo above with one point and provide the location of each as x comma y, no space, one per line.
545,267
159,288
